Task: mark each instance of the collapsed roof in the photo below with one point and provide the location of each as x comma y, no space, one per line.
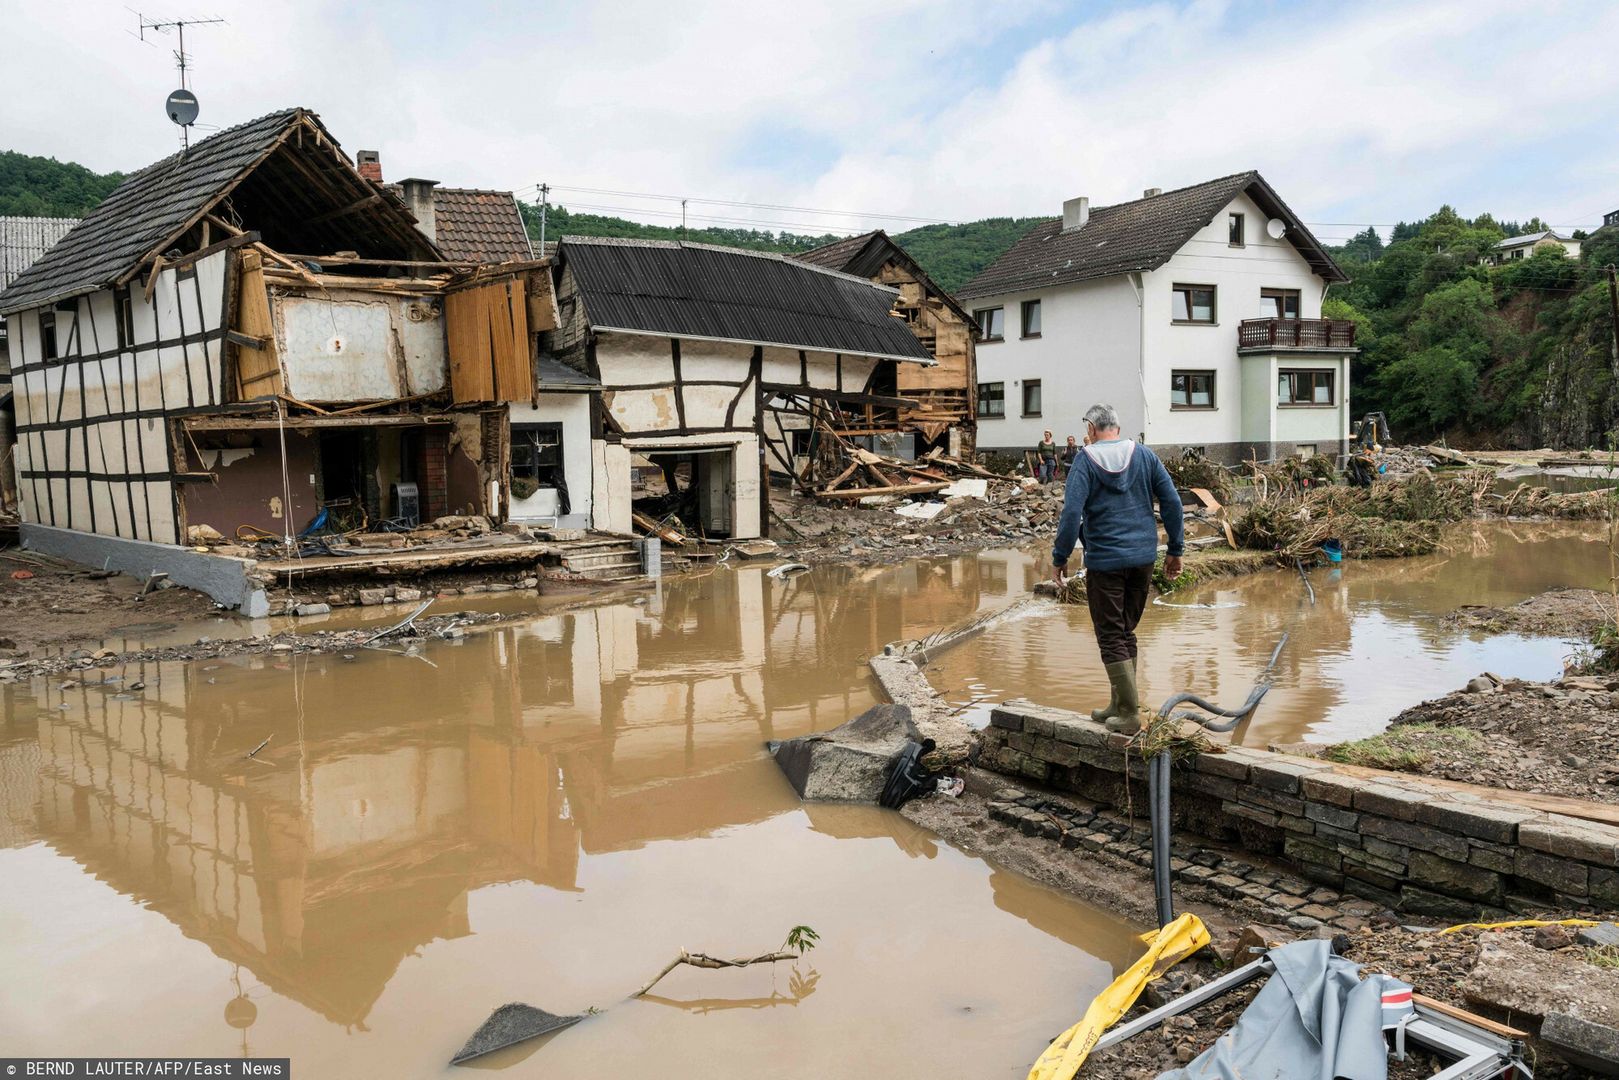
866,254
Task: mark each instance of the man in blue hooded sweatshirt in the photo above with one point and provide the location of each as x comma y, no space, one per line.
1108,505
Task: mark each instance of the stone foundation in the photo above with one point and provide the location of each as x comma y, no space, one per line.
1397,840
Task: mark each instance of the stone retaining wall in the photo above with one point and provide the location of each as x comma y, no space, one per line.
1409,845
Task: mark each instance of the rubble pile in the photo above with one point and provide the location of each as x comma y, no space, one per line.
1455,968
448,532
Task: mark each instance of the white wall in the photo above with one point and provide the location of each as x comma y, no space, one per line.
1088,351
1104,341
572,411
1238,275
110,469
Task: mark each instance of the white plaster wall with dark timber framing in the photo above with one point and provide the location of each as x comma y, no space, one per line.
348,345
93,450
572,412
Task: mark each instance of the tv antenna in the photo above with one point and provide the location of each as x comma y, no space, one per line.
181,106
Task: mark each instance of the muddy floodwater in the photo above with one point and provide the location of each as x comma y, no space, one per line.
544,812
549,810
1374,642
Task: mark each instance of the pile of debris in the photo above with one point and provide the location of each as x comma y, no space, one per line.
1385,520
1564,1002
319,538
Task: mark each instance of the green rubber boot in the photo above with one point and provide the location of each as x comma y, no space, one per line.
1112,709
1126,718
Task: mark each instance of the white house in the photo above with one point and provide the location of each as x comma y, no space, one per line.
1521,247
1195,312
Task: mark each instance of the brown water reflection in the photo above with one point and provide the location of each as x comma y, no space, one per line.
545,812
1374,643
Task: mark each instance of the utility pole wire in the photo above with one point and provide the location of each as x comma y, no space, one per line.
545,191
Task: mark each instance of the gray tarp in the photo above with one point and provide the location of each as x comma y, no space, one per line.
1315,1019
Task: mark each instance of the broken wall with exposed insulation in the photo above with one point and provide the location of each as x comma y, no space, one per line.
95,378
343,345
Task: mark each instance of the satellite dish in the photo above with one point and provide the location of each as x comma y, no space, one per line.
182,107
1275,228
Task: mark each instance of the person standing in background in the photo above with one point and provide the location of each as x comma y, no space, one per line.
1045,455
1069,452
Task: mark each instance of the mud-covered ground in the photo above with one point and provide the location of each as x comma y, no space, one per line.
1575,613
1557,738
47,605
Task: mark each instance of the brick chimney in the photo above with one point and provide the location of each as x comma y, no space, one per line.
369,162
1075,213
419,200
1150,192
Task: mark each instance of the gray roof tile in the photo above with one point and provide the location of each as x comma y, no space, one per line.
142,212
1139,235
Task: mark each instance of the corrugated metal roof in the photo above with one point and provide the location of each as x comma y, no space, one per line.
142,212
473,225
1135,236
24,239
702,291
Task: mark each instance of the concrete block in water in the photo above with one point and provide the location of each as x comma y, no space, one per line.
849,763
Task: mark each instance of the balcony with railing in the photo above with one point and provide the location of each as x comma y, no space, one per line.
1318,334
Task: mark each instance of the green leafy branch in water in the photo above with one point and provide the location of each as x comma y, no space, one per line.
801,939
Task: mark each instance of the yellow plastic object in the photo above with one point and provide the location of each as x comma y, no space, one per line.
1515,924
1165,949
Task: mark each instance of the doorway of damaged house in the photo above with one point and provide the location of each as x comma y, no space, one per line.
692,486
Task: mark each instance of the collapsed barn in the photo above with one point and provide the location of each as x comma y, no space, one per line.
944,416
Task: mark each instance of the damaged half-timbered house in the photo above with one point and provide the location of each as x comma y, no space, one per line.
720,367
252,334
945,414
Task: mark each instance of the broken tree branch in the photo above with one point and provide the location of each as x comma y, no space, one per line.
703,960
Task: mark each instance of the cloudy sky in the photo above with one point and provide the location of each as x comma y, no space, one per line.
888,113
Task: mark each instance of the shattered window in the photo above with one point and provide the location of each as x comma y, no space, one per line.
536,458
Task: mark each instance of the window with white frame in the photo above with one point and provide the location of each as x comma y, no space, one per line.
991,323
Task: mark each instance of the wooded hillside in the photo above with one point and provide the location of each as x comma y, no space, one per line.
44,187
1513,355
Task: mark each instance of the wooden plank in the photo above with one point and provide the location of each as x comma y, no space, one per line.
514,374
1447,1009
260,423
842,476
261,365
904,489
662,532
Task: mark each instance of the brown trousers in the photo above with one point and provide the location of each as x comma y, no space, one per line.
1116,599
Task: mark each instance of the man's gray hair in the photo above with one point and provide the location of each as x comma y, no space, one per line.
1102,416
